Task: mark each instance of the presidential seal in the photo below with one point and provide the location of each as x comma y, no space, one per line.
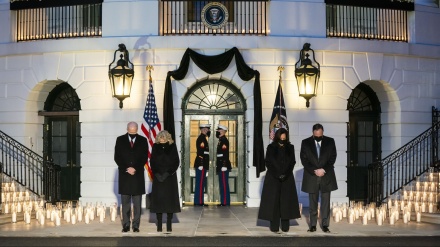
214,15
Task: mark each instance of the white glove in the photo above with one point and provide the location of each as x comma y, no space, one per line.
206,173
200,168
224,169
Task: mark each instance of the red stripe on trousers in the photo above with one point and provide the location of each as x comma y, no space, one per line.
224,188
201,186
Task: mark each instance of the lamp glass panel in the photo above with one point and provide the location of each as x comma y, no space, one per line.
122,80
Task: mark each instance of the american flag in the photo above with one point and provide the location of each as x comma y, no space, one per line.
279,116
151,125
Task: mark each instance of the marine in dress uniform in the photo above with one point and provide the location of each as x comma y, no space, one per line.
201,163
223,166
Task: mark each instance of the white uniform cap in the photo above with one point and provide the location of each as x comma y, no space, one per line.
222,127
201,126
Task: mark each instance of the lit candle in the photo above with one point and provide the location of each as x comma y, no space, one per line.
48,212
41,220
423,207
57,220
113,215
6,208
101,217
365,219
418,216
73,219
92,213
67,216
405,218
80,215
430,208
27,217
344,212
392,219
86,218
14,217
351,218
379,218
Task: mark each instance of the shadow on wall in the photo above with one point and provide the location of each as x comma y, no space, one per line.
116,186
302,196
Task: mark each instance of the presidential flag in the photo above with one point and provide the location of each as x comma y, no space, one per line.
151,124
279,117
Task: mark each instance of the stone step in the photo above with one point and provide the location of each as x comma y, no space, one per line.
431,218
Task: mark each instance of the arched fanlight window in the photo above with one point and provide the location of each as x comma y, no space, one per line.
360,100
62,98
213,95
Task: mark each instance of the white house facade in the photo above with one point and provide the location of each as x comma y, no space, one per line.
403,77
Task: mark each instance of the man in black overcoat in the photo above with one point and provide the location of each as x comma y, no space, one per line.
318,156
131,155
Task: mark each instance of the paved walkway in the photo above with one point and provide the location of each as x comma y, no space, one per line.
215,221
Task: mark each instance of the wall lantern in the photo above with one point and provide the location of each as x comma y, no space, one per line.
121,76
307,74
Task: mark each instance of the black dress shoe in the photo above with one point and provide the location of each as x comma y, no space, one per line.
312,229
325,229
125,229
135,229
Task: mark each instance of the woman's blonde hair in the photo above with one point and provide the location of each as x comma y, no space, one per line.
164,135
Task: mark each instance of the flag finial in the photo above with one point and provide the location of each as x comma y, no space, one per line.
149,68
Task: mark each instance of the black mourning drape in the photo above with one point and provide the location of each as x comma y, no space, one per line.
212,65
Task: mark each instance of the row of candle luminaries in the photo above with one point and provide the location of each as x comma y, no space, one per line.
45,211
425,188
419,196
390,212
17,199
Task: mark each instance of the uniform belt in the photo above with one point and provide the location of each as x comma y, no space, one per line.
206,152
219,155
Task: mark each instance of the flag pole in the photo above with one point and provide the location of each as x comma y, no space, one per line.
280,69
149,68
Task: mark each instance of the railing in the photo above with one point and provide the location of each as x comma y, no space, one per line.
368,19
49,19
185,18
29,169
389,175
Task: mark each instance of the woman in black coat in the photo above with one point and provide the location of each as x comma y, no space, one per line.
279,199
164,162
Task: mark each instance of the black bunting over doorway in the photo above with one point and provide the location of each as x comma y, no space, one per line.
212,65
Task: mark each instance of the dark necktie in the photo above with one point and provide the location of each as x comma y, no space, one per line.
131,143
318,148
